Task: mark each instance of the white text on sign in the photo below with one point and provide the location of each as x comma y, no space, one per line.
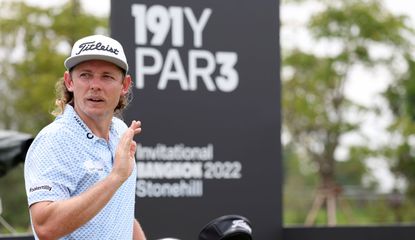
214,71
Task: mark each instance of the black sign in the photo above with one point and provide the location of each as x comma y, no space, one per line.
207,90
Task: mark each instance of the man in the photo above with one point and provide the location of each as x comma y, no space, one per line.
80,171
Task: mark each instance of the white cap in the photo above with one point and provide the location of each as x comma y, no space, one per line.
97,47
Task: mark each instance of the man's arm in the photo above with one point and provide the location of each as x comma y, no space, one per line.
138,233
52,220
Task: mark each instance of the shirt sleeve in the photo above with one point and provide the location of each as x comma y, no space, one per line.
47,172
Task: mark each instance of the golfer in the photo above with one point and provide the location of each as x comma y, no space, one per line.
80,171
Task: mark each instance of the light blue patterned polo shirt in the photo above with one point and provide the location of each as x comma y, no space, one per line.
65,159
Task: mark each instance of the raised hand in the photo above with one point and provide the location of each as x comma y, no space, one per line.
124,155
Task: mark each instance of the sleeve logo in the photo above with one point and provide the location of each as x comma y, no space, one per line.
41,187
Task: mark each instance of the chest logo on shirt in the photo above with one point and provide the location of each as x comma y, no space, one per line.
93,166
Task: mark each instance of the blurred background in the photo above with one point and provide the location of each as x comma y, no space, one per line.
348,102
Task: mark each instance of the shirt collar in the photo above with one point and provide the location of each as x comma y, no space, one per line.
71,115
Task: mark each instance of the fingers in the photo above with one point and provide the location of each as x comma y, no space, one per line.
126,139
136,127
123,164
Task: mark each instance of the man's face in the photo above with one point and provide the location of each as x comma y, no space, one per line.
97,87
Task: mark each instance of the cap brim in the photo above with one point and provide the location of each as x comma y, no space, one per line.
75,60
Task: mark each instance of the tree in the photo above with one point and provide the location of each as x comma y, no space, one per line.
34,42
317,113
400,150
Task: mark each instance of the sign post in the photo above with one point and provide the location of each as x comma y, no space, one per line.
207,90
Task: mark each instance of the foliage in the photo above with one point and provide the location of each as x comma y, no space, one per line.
34,42
401,150
317,113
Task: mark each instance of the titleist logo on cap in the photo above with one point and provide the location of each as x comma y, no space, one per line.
97,47
89,46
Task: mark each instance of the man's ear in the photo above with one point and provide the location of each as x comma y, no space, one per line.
126,84
68,81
